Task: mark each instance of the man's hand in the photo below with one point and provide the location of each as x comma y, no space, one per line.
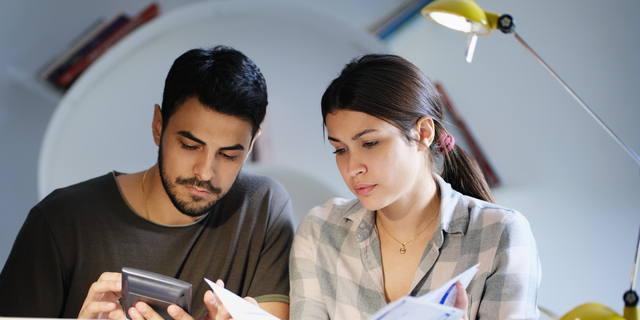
462,300
215,309
102,299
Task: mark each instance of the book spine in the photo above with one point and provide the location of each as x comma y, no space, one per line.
74,70
122,19
79,42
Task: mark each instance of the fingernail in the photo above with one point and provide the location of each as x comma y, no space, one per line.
141,307
173,310
119,285
133,312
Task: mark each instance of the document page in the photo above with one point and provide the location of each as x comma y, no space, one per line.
435,305
239,308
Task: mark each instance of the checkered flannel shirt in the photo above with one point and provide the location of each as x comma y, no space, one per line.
336,270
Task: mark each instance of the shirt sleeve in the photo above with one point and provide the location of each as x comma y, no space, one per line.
32,278
511,291
307,300
271,279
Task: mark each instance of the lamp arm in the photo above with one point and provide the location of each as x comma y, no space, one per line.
635,267
624,146
630,297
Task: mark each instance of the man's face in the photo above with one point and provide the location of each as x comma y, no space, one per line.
200,154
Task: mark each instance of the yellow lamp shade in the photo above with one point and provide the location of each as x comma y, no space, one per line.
592,311
461,15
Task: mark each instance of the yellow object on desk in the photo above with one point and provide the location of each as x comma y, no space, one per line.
592,311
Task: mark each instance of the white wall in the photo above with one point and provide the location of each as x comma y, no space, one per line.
31,32
558,167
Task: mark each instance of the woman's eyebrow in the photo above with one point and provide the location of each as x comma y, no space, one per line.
355,137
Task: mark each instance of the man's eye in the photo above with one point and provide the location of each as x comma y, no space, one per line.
188,147
228,157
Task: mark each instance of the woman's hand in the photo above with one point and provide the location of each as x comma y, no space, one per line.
462,300
102,300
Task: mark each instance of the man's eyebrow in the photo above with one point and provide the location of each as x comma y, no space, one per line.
355,137
190,136
234,147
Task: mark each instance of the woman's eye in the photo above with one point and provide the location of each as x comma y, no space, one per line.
188,147
369,144
339,151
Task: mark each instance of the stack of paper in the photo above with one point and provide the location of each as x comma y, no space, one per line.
437,304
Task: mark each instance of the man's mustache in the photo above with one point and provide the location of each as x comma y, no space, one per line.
195,182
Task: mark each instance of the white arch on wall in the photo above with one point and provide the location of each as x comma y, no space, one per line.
103,122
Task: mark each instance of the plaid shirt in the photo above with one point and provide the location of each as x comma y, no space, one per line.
336,269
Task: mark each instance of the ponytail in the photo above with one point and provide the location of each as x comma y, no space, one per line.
459,169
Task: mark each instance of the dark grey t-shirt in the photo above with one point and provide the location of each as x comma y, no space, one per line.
77,233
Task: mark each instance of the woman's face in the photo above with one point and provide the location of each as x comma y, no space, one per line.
375,160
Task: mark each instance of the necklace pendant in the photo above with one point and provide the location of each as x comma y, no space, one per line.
402,250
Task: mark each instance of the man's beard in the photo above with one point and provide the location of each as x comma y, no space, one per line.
194,208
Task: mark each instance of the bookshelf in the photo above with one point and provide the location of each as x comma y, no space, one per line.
62,70
28,81
22,72
102,122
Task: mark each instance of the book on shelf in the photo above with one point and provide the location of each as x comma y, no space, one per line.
76,44
80,41
65,69
91,41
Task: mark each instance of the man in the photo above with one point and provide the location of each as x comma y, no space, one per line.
192,215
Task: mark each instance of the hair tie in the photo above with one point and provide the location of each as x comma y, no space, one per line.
446,143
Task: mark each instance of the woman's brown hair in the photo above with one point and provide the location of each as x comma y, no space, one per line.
393,89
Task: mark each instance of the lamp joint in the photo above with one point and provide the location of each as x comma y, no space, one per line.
506,23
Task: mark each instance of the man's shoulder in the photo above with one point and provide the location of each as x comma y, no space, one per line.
82,192
251,184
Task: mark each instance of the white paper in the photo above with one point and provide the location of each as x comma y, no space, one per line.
409,308
426,307
437,304
446,294
239,309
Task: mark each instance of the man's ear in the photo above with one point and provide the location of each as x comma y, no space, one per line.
156,124
426,131
255,136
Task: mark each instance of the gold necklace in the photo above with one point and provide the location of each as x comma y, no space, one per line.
402,249
144,198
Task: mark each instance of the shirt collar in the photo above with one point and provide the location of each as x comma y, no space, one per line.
454,215
363,218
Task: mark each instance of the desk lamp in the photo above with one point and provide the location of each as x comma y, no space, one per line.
467,17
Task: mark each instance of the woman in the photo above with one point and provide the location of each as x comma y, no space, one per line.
423,212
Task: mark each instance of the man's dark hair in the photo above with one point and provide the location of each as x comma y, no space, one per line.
222,78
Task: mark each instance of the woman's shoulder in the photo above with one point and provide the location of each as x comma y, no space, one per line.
493,212
335,208
458,206
335,213
483,215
